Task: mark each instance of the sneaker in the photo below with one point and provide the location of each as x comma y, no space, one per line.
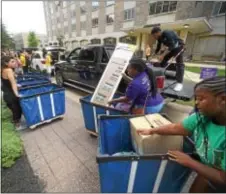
178,87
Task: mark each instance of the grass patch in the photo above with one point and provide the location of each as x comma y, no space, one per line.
187,103
12,147
220,72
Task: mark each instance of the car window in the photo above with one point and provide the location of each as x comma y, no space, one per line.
37,56
109,52
86,55
74,54
104,57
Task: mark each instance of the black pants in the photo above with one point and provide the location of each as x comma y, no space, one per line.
147,57
16,110
25,69
179,62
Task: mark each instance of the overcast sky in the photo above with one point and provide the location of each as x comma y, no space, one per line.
23,16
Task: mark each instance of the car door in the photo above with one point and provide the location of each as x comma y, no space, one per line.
88,66
70,69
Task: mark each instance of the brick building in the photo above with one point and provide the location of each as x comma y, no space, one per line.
200,23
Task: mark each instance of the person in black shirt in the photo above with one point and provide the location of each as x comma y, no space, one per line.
175,48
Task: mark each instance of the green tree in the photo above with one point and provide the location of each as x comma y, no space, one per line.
32,40
6,41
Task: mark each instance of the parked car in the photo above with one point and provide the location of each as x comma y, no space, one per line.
84,66
38,57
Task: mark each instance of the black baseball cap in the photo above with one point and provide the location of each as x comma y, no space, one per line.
155,30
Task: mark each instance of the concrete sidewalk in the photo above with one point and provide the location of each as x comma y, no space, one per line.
62,154
195,77
190,64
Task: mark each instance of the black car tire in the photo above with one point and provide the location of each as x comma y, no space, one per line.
59,78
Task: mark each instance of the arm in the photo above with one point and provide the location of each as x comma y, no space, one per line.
209,173
13,82
212,174
121,99
172,129
158,47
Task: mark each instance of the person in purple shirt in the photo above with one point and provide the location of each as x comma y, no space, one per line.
141,92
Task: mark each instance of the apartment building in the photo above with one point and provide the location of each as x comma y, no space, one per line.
200,23
21,40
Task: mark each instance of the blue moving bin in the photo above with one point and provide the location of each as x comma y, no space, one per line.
91,111
32,82
42,103
134,173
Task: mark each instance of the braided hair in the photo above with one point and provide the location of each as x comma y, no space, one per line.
216,85
140,65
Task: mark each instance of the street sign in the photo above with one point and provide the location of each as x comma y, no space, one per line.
207,72
112,75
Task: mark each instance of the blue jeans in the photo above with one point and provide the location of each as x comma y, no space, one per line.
154,109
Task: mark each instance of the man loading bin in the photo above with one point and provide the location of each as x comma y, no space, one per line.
175,49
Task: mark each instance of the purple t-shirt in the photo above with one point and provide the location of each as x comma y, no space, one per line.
138,90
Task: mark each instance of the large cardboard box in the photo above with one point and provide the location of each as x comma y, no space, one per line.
153,144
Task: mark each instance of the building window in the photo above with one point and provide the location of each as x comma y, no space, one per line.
74,44
83,42
110,40
83,10
73,27
109,2
129,14
94,22
110,18
64,3
95,5
162,7
219,8
128,39
66,29
95,41
83,25
73,13
65,15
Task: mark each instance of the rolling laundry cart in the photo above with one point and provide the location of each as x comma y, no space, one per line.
31,82
134,173
42,103
91,111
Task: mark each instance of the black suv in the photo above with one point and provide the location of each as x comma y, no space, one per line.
83,67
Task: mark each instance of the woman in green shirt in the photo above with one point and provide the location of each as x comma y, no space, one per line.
207,126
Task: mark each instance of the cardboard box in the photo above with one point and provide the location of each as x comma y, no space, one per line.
153,144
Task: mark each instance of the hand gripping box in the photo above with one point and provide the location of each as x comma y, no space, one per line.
153,144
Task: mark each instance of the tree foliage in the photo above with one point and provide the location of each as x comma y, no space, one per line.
32,40
6,41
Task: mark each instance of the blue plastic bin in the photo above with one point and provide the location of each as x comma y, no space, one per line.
42,103
30,76
32,82
134,173
91,112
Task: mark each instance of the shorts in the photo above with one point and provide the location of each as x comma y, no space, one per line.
48,69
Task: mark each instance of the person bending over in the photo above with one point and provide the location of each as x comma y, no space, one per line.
141,92
175,48
207,126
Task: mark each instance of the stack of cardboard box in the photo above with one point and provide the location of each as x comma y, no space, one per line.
153,144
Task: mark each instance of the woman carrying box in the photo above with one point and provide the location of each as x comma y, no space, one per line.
207,125
141,92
